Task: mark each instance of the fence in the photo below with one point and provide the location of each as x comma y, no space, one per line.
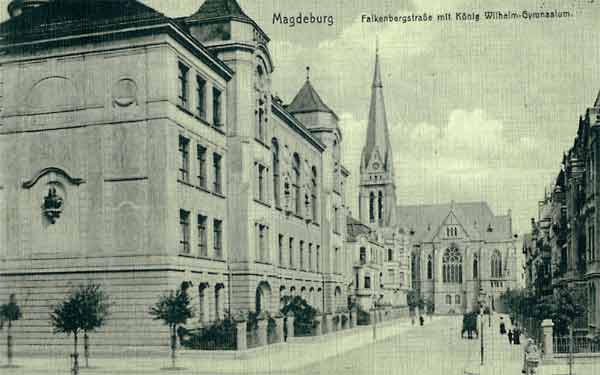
581,344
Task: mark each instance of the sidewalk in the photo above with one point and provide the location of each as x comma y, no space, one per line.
279,358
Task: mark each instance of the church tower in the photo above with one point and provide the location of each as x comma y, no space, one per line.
377,191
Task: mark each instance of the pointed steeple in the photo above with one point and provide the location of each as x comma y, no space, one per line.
597,102
378,138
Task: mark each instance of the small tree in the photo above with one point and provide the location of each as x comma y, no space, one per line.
96,311
68,317
9,313
173,309
304,314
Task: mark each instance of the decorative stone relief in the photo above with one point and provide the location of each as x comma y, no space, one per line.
53,205
124,92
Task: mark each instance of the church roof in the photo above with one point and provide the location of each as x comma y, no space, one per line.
476,218
378,137
220,8
308,100
65,17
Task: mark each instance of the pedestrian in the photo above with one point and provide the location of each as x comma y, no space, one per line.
502,327
517,336
531,356
421,320
510,336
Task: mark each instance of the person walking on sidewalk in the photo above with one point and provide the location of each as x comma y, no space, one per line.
510,336
502,326
531,357
421,320
517,336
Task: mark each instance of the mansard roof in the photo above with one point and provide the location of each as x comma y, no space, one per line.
476,218
65,17
220,8
308,100
223,10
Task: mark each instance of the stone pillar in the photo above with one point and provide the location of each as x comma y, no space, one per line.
262,332
319,328
327,323
354,318
241,335
279,328
290,326
547,329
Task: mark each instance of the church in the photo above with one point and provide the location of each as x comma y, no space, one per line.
461,253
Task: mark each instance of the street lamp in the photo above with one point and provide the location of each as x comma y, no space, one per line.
481,305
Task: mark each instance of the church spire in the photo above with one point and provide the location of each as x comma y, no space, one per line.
377,198
378,139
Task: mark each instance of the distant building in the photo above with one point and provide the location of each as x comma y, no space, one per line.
461,253
565,249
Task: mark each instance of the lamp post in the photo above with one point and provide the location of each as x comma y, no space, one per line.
481,306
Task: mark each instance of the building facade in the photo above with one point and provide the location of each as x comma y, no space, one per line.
564,249
141,151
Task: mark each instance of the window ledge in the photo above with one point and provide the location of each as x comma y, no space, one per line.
262,203
219,129
218,260
264,262
263,143
186,183
218,194
202,120
204,189
184,109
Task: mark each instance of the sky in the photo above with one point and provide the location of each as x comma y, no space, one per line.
477,110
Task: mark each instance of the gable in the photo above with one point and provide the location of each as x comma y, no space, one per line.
451,228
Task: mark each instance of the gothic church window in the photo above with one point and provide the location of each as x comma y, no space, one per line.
372,207
452,266
429,267
496,264
475,267
275,156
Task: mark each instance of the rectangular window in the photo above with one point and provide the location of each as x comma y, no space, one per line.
310,260
202,237
184,154
201,97
217,188
201,150
291,253
261,183
217,117
218,238
262,242
318,258
301,255
367,282
280,250
336,224
184,224
336,260
183,85
390,255
363,255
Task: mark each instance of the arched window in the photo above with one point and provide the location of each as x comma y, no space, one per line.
429,267
457,299
448,299
275,154
372,207
475,267
313,192
296,183
452,266
496,264
380,206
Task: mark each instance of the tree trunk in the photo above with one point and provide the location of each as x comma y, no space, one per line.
173,345
9,344
86,349
75,369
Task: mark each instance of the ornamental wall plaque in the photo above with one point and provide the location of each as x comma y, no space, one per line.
53,205
124,92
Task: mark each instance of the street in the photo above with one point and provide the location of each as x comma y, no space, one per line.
435,348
